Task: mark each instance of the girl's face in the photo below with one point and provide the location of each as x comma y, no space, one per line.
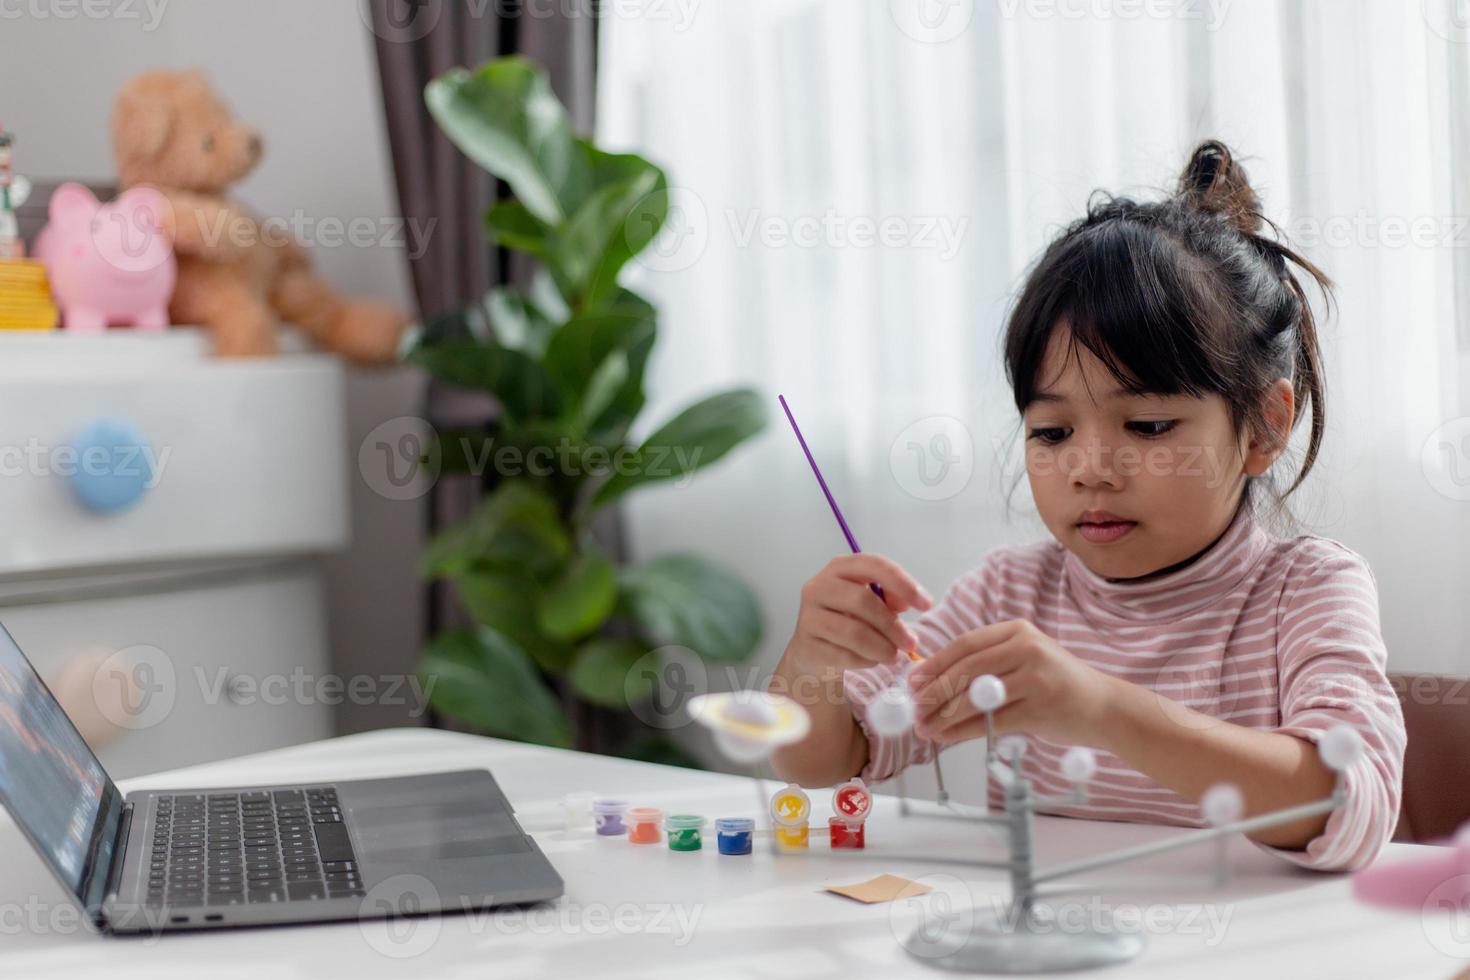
1129,483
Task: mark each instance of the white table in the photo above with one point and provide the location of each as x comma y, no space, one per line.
647,912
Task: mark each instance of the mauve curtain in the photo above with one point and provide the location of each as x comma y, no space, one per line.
417,40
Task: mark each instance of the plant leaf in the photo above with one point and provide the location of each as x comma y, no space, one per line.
505,118
581,599
695,438
465,451
510,224
628,205
516,380
463,325
518,324
610,427
506,599
602,390
548,298
515,525
600,671
484,679
578,350
628,303
686,600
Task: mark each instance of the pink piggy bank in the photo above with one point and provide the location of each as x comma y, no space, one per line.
109,264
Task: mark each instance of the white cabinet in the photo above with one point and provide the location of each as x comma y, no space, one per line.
160,511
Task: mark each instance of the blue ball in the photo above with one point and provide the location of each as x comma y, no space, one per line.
113,466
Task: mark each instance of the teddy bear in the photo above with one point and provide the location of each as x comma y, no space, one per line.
237,275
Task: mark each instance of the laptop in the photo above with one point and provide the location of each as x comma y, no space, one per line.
163,860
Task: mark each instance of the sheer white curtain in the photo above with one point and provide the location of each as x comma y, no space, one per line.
861,189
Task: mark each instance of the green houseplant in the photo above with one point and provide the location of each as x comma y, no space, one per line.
558,625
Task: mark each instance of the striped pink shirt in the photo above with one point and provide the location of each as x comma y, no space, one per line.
1277,635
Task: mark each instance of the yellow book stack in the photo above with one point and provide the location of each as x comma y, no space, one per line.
25,296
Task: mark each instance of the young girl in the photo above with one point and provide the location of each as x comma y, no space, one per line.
1160,355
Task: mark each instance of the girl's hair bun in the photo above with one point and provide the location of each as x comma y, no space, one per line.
1213,181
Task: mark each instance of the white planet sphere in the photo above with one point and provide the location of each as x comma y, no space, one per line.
1222,804
1079,763
987,692
751,708
740,749
1340,747
1011,747
891,712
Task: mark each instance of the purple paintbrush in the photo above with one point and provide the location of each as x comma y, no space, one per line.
831,502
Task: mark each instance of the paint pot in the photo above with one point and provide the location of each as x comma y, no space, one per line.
608,814
793,838
733,834
684,831
790,808
576,812
844,835
852,801
643,824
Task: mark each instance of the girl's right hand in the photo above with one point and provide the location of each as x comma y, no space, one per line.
843,624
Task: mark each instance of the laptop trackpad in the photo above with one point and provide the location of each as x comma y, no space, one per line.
447,830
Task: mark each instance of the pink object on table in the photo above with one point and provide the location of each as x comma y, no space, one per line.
1442,877
109,264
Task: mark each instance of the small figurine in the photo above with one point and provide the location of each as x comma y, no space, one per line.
13,193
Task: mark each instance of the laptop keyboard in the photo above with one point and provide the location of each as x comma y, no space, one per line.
251,848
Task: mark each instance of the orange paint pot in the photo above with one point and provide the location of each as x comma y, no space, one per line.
643,824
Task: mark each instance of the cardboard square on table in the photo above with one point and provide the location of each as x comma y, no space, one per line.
884,888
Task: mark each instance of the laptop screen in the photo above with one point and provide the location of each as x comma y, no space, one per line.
50,781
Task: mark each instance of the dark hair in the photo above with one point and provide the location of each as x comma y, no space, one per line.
1180,296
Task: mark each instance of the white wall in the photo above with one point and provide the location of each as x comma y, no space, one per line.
305,74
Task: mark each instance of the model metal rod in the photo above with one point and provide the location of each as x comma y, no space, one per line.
1158,847
1164,882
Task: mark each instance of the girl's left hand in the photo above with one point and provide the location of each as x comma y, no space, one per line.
1049,692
